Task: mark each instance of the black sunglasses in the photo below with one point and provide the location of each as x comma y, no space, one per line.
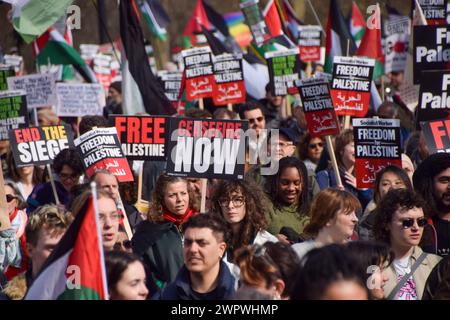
314,145
10,197
408,223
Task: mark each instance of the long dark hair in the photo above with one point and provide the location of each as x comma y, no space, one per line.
255,206
395,170
274,181
116,263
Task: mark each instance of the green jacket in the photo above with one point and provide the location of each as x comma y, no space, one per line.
285,216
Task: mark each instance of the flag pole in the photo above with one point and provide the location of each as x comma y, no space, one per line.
52,182
347,118
316,17
99,236
126,223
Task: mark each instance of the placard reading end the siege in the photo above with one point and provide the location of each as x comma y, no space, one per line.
39,145
207,148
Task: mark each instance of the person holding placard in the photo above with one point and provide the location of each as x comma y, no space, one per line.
26,177
345,154
288,190
400,222
159,240
242,204
68,168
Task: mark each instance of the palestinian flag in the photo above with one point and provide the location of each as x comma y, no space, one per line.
31,18
357,24
192,34
371,47
76,269
338,36
54,48
289,19
153,97
156,17
273,19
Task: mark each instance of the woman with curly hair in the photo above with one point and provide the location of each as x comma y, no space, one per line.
288,189
242,204
158,240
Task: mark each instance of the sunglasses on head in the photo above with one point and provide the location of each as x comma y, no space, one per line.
10,197
314,145
408,223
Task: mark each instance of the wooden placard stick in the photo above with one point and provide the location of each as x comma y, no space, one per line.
52,182
203,201
230,106
334,161
200,104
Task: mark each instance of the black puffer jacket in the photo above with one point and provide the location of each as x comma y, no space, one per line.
160,247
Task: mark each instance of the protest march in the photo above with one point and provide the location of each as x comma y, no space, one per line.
241,150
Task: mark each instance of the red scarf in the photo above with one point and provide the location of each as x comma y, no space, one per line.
178,220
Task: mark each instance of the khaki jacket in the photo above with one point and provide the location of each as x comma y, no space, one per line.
420,276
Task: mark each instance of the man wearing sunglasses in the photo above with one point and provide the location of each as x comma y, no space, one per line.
432,180
399,222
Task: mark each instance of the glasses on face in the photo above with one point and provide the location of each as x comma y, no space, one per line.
10,197
237,202
408,223
253,120
66,176
316,145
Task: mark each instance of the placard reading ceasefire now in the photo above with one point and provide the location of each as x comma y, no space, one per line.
39,145
377,145
142,137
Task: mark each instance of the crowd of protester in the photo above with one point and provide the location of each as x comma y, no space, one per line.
295,234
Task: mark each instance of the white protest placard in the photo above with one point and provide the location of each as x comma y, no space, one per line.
40,89
79,99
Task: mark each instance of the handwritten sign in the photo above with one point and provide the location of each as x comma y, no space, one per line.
13,112
309,39
377,145
100,149
318,107
350,87
207,148
79,99
199,73
229,79
284,70
142,137
40,89
39,145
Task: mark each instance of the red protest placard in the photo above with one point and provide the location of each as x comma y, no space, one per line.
199,73
309,38
318,107
377,145
350,86
437,135
100,149
142,137
229,79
